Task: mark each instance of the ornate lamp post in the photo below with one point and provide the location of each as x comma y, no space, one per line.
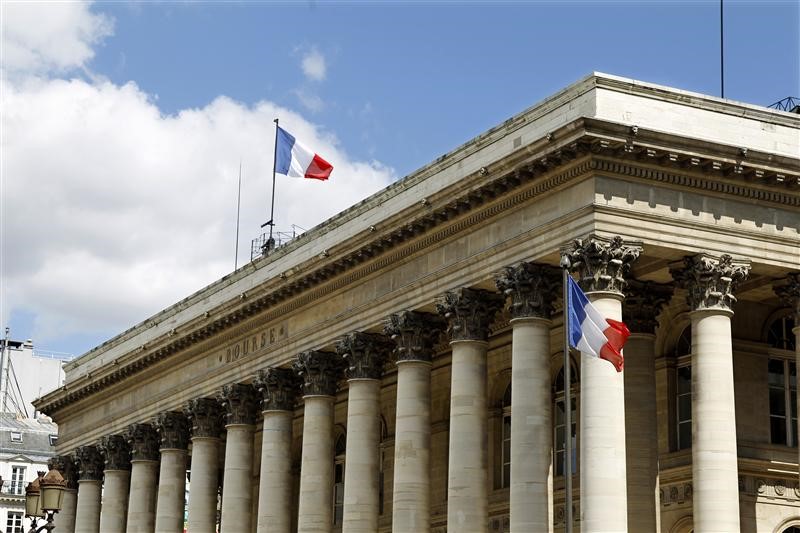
43,499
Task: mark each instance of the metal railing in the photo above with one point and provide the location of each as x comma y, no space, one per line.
263,245
50,354
790,104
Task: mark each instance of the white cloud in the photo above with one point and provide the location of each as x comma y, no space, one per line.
314,65
310,100
53,36
112,211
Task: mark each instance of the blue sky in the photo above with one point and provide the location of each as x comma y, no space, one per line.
124,123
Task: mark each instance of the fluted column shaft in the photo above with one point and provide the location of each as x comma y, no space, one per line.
275,486
315,512
171,491
641,433
531,426
142,501
237,494
114,509
411,505
87,512
362,473
65,519
204,485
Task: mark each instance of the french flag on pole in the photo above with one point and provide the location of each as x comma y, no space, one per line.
294,160
592,334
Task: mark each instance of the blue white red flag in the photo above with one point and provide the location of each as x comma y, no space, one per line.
295,160
590,332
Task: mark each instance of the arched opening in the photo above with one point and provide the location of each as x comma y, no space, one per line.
339,450
560,422
505,439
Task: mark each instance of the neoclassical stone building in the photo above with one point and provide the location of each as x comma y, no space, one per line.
400,367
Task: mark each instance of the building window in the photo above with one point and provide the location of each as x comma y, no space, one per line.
338,479
683,407
780,334
17,479
14,522
559,425
505,445
53,440
16,436
782,380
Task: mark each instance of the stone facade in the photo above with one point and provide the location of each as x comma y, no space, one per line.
370,387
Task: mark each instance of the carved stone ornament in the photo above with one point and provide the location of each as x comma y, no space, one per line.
601,263
90,463
643,303
143,441
710,281
278,388
415,334
173,430
239,403
205,415
66,466
469,312
789,291
318,371
116,452
364,354
532,288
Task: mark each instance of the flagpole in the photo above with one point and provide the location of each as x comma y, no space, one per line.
565,264
274,163
238,209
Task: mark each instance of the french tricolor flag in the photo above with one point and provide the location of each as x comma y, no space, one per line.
294,160
590,332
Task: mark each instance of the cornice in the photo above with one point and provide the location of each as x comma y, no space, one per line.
572,152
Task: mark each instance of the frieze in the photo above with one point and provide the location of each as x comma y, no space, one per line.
278,388
771,488
319,372
239,403
469,312
67,467
205,415
116,452
253,343
531,288
173,430
675,494
143,442
710,281
90,463
602,264
364,354
643,303
415,334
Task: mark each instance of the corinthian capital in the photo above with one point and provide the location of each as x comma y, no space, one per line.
278,388
710,281
789,291
143,442
532,287
239,403
173,430
90,463
205,415
116,452
364,354
469,312
643,303
319,372
66,466
601,263
414,333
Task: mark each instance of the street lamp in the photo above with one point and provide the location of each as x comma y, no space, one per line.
43,499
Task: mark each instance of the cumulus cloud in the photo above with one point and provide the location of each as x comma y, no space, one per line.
113,210
314,65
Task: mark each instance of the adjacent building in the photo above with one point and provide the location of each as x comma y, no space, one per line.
400,367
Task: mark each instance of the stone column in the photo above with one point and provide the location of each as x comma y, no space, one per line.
602,265
469,313
319,372
643,303
278,389
710,283
364,355
239,403
789,292
205,415
90,481
117,475
532,289
415,335
65,519
173,433
143,442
